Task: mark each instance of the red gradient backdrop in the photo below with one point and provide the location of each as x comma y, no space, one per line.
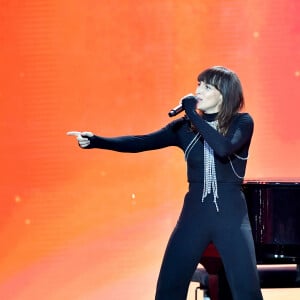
92,224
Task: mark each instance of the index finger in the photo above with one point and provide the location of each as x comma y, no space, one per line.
74,133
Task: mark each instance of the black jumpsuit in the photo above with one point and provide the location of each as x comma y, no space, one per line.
200,222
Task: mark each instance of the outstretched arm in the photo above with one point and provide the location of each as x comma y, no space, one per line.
132,143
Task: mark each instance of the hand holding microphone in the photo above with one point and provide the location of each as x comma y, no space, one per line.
188,102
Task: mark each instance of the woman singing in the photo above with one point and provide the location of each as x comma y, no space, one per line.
215,138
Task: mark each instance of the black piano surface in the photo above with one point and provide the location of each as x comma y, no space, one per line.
274,213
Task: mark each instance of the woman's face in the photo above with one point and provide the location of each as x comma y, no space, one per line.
209,98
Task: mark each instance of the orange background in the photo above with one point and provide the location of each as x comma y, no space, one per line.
93,224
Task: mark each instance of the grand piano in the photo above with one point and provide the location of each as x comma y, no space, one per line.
274,213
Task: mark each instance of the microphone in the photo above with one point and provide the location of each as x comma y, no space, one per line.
178,109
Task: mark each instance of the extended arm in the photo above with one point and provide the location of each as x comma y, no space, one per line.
131,143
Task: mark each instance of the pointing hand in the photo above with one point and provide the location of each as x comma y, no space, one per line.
82,137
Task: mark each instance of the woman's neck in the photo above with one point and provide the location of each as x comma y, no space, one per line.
209,117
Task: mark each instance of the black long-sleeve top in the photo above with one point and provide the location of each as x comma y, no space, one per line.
230,151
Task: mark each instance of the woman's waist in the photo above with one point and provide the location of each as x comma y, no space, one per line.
234,181
221,185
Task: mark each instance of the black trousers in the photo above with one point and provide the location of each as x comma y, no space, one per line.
199,224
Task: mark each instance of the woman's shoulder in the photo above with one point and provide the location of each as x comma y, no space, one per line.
243,117
242,120
178,123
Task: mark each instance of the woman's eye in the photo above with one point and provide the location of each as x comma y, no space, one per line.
207,87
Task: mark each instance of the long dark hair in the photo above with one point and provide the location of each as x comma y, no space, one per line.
229,85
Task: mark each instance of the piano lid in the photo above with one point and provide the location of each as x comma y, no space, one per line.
273,180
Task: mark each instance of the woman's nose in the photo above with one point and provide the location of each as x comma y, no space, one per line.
198,89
